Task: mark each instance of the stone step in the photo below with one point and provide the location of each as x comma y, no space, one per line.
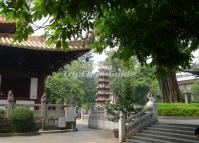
177,131
146,140
135,141
180,124
5,126
4,123
174,127
6,131
168,134
166,138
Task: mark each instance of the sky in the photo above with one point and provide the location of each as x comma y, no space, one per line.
98,58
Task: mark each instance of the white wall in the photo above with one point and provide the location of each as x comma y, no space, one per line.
97,120
102,124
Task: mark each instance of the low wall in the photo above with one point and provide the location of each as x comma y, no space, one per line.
97,120
102,124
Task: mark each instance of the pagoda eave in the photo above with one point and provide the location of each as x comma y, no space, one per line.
103,87
103,94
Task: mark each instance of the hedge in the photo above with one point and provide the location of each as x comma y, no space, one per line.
178,109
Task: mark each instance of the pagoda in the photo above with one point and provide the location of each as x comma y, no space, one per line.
103,94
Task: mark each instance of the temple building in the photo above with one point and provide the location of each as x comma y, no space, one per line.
25,65
103,94
186,81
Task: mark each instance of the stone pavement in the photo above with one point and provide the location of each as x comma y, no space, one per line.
84,135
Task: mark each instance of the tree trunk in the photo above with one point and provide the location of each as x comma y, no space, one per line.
170,89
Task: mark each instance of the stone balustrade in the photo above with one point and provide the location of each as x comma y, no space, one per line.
137,122
54,114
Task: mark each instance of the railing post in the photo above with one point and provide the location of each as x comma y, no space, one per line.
43,106
61,107
43,110
122,129
155,112
105,113
10,101
82,113
61,114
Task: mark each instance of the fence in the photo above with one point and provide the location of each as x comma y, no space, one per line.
49,115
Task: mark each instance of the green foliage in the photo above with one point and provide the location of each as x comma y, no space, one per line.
128,102
166,30
195,102
195,91
75,80
131,85
178,109
58,85
142,78
22,119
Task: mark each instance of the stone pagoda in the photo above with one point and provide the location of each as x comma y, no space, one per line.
103,94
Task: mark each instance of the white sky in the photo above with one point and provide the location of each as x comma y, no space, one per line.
97,59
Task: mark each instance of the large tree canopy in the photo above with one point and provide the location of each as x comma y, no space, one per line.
167,31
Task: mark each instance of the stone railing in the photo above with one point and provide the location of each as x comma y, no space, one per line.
137,122
56,115
145,119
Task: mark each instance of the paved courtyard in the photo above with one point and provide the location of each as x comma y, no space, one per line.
84,135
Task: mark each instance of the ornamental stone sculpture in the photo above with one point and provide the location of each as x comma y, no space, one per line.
151,101
10,96
43,98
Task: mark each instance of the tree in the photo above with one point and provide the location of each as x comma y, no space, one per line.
128,102
58,85
88,78
142,78
166,31
75,80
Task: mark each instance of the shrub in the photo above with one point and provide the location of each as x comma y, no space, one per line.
22,119
128,102
178,109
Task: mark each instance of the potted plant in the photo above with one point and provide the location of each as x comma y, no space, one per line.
116,133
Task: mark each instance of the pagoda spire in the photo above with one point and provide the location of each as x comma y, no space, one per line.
103,93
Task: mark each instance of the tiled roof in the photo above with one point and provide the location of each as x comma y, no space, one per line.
194,69
186,77
37,43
